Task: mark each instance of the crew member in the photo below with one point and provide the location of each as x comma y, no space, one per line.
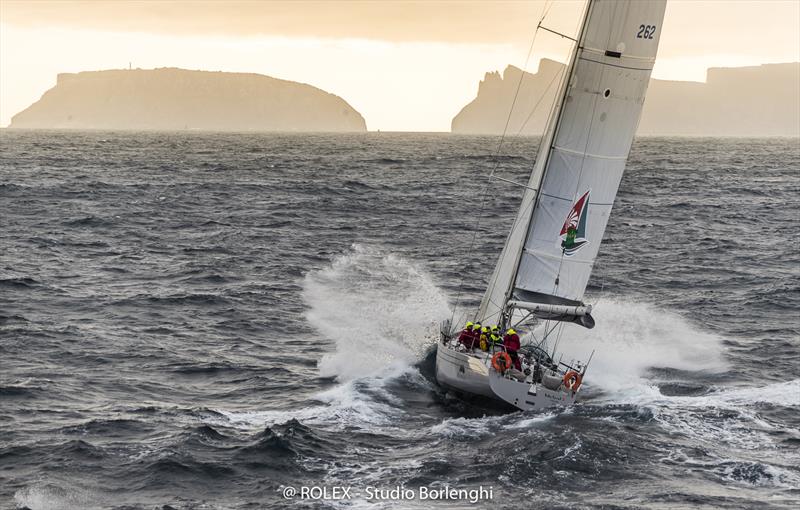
476,336
511,344
484,338
467,336
494,336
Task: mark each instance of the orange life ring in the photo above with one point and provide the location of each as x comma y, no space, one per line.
506,363
572,380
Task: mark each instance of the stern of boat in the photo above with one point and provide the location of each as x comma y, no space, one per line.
529,396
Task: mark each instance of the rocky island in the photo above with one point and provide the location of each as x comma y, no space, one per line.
740,101
179,99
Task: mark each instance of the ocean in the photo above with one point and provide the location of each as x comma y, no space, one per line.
206,321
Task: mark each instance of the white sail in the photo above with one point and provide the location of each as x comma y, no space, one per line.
555,239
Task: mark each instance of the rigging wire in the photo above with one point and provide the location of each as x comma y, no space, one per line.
545,10
558,336
541,98
600,272
526,213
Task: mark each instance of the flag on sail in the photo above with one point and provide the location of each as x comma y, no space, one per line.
573,233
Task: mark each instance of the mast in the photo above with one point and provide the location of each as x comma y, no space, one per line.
501,284
549,253
555,120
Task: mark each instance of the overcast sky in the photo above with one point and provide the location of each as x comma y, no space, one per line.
407,66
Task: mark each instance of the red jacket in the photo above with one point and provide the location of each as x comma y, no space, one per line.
511,342
467,337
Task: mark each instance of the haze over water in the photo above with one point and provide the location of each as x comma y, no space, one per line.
405,66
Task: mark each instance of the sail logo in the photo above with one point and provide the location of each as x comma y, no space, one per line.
573,233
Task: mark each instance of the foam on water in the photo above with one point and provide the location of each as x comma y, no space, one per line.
726,415
382,314
631,338
463,427
345,405
49,496
380,310
785,393
467,427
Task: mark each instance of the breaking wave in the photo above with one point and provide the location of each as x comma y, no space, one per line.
380,310
632,338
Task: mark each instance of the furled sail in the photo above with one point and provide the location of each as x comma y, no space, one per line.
549,254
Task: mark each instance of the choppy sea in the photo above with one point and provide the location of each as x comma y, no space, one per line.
193,320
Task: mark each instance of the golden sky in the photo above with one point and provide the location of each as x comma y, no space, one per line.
405,65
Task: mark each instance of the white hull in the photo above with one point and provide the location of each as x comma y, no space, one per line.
462,372
527,396
471,373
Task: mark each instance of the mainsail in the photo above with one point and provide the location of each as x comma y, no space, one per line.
548,257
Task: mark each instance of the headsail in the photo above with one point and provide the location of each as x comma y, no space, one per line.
549,254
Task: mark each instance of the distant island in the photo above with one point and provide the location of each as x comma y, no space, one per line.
178,99
742,101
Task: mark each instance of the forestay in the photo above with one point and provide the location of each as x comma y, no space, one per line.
549,254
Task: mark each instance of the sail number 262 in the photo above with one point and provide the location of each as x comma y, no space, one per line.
646,31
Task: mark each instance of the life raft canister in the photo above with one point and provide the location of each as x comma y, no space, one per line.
501,361
572,380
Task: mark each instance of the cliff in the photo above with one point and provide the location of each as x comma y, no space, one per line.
176,99
743,101
488,112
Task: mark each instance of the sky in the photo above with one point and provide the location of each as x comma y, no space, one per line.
404,65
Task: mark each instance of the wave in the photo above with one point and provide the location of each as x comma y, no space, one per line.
380,311
23,282
199,299
384,161
108,427
87,221
495,157
363,404
51,496
659,362
24,388
631,339
7,320
756,473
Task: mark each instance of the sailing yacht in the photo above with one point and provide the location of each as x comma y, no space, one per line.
539,281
